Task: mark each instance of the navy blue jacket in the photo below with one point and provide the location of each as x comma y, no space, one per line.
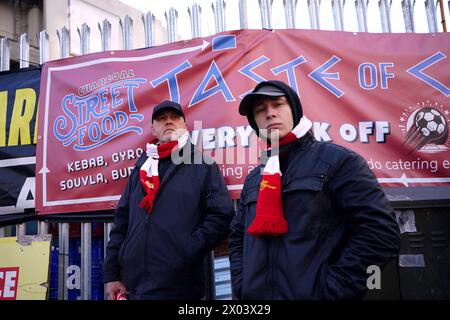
160,256
340,222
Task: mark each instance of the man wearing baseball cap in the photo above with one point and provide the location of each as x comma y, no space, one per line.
168,218
311,218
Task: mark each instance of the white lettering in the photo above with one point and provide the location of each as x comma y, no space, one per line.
363,130
85,164
348,132
82,181
244,133
27,188
121,173
320,130
126,155
208,138
382,129
9,289
226,137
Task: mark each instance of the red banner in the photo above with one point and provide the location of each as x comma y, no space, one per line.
383,95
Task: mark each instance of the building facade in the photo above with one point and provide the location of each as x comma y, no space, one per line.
30,17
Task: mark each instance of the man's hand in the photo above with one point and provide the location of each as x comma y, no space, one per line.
112,287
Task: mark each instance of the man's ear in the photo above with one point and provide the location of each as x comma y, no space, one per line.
152,128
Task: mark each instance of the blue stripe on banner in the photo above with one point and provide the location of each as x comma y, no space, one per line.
224,42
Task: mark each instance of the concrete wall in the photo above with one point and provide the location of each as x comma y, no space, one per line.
6,20
16,20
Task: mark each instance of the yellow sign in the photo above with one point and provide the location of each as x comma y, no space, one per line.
24,265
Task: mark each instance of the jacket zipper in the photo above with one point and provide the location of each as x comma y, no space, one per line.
324,179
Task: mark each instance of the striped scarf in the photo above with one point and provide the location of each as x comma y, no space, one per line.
148,174
269,218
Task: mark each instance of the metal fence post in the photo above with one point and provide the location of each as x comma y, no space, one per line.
361,14
171,18
21,229
127,29
338,14
243,20
194,14
106,231
4,54
289,12
408,15
84,34
63,260
105,33
149,28
86,246
385,15
265,7
63,37
44,48
24,45
430,9
43,228
314,13
219,15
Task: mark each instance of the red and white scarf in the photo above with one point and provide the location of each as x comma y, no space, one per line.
269,218
148,174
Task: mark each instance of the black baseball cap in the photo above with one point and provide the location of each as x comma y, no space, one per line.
246,105
167,105
274,88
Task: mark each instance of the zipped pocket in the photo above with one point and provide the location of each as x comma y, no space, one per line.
312,183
